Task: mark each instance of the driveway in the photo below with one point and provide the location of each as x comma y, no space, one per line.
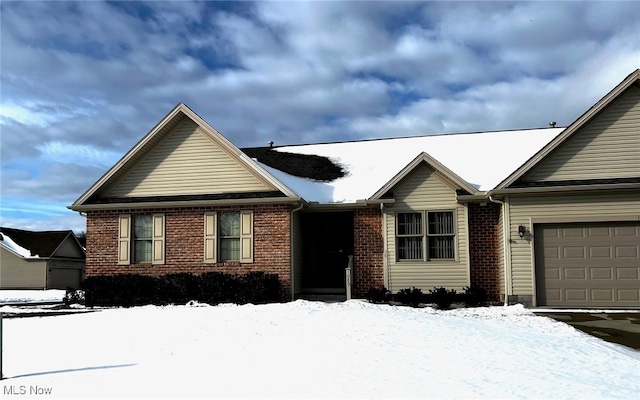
621,328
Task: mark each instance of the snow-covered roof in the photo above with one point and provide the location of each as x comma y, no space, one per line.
11,245
30,244
482,159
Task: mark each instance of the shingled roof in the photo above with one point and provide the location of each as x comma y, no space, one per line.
309,166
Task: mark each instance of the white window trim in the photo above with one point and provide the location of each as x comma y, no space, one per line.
425,236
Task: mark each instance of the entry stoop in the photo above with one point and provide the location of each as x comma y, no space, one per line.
325,295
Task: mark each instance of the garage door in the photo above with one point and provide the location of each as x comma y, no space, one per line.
588,265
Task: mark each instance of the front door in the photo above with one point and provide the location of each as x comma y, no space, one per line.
327,242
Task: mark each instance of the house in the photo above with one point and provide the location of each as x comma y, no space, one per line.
546,217
40,260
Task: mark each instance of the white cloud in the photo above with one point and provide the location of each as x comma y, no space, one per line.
291,72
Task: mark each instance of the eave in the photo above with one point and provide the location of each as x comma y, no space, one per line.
185,203
565,188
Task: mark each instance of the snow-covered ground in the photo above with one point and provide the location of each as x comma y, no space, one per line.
311,350
30,296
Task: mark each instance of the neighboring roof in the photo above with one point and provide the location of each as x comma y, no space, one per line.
481,160
153,137
30,244
631,79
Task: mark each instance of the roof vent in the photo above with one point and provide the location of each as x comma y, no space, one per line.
552,124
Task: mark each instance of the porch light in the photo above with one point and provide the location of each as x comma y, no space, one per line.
521,231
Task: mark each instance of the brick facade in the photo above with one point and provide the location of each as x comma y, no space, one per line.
184,243
484,247
368,251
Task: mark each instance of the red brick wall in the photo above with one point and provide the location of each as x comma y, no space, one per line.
484,248
368,251
184,243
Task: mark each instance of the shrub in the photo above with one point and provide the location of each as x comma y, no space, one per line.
128,290
73,296
176,288
378,296
258,288
474,297
442,297
410,297
217,287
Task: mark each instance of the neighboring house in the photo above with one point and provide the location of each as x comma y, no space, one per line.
40,260
510,211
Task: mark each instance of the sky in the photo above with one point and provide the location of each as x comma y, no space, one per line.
82,82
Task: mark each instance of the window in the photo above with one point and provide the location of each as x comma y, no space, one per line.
441,235
141,239
438,235
410,236
229,231
228,236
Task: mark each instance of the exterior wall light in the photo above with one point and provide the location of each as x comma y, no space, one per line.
521,231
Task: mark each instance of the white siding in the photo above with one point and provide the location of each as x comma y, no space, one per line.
608,146
187,161
558,208
17,273
425,190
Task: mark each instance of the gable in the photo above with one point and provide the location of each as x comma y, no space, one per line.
187,161
604,148
69,248
424,188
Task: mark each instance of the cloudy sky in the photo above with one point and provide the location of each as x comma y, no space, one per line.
82,82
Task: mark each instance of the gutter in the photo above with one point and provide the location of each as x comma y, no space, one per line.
566,188
183,203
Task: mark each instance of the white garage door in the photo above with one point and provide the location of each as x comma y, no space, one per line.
588,265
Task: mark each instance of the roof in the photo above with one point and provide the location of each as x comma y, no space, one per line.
631,79
481,159
29,244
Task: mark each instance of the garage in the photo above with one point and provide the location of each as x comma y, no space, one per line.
588,264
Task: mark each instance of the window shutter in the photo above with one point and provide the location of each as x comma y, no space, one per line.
246,236
210,237
124,239
158,239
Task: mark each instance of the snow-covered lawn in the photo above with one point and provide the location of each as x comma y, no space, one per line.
309,350
30,296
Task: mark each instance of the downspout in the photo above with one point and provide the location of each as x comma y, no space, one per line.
292,256
506,232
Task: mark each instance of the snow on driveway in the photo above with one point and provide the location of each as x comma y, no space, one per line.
312,350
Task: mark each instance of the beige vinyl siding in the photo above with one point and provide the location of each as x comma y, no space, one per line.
606,147
187,161
426,190
69,249
18,273
558,208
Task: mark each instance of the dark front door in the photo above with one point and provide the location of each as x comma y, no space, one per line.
327,240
